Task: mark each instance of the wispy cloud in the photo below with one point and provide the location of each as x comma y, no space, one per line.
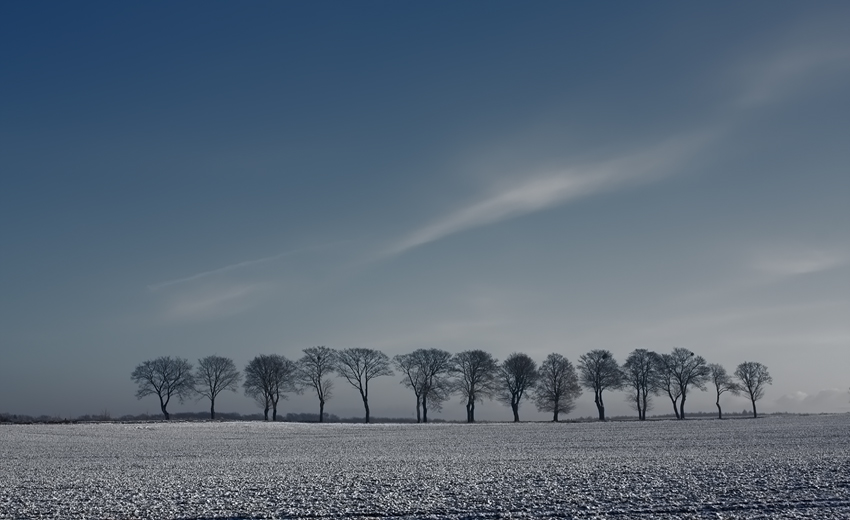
794,262
214,302
241,265
781,75
545,191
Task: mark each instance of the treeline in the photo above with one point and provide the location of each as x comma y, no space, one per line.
434,375
105,416
292,417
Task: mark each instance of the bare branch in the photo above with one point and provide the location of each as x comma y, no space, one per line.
165,377
427,372
477,373
517,375
268,378
214,375
313,370
599,371
640,375
754,378
359,366
722,383
557,387
682,369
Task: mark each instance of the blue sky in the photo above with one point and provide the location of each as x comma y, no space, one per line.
235,179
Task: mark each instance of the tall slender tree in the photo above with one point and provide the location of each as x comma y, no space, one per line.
517,376
754,378
557,386
599,371
723,383
476,373
165,377
641,377
213,375
358,366
313,371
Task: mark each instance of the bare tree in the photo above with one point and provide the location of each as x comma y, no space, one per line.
268,378
258,385
599,371
754,377
359,366
517,376
436,369
685,370
166,377
413,378
666,381
426,372
476,373
313,370
722,383
214,375
285,381
640,375
557,387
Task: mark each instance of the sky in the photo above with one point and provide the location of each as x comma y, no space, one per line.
254,178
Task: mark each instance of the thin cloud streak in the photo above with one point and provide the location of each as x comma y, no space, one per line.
793,263
785,73
214,302
240,265
548,191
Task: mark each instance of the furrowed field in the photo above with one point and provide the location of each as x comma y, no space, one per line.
774,467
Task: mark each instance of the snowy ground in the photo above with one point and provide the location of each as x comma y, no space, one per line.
774,467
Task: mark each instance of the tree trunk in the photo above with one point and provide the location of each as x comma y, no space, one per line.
418,410
719,411
424,408
266,413
755,414
274,400
555,418
366,406
515,409
675,410
600,406
470,411
212,409
639,409
682,407
163,407
321,410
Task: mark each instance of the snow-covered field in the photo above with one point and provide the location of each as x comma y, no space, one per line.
774,467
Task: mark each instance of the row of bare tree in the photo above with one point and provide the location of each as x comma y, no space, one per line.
435,375
645,374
